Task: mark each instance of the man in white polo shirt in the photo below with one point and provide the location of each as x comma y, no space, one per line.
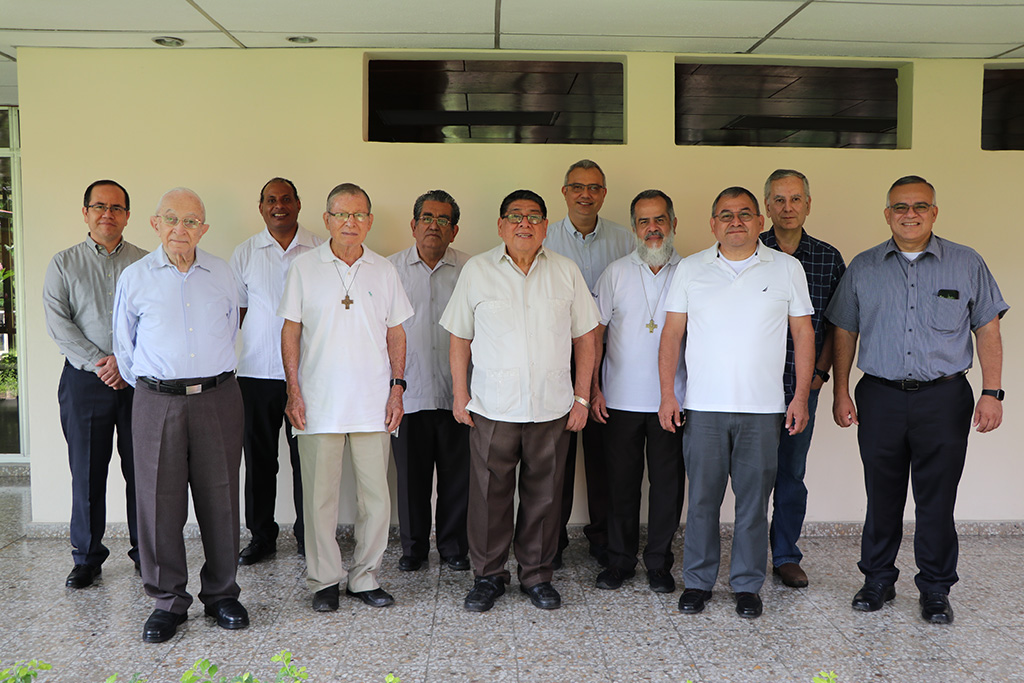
735,302
343,349
631,300
260,264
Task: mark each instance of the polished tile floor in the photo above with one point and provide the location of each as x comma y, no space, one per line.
627,635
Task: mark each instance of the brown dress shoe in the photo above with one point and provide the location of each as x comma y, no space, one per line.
791,574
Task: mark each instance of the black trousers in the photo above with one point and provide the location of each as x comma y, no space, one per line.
626,435
430,439
90,413
263,401
920,436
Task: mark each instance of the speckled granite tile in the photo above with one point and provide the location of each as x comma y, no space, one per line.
745,672
473,656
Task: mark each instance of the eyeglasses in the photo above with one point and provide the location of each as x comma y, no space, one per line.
101,209
171,220
578,187
343,216
517,218
728,216
919,207
441,221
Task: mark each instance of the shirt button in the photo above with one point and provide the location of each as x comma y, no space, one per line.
187,305
190,329
192,355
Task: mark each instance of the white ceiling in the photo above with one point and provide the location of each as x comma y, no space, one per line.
857,28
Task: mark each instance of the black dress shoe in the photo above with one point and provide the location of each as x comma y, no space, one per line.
661,581
935,608
486,589
459,563
543,595
408,563
378,597
229,613
326,599
749,605
161,626
255,552
611,579
693,600
872,596
83,575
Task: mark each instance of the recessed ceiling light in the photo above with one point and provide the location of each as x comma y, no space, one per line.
301,40
168,41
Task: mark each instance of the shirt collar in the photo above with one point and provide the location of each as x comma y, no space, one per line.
772,240
577,235
100,249
326,254
934,247
302,237
447,259
762,255
161,260
634,257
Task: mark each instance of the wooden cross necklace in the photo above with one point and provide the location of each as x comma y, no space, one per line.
347,300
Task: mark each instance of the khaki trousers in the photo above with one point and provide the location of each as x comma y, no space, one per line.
320,458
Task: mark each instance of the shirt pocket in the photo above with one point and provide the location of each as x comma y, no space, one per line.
947,315
502,393
558,391
494,319
555,319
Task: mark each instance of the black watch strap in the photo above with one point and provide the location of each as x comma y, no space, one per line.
399,383
997,394
822,374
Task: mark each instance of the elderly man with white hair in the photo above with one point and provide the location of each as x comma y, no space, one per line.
175,321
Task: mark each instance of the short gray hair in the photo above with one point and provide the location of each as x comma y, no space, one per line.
180,190
436,196
779,174
584,163
348,188
912,180
735,191
651,194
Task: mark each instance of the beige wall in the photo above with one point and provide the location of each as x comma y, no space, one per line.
223,121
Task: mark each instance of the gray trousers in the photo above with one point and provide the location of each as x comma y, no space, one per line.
181,443
717,446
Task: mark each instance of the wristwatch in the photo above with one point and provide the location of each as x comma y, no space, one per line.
399,383
822,374
997,394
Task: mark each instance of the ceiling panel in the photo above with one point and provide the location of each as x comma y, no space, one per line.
352,16
103,15
898,50
448,41
894,23
613,43
114,39
693,18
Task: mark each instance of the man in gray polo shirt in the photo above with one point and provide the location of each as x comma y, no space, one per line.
913,301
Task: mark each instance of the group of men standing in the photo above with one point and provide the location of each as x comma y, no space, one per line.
483,369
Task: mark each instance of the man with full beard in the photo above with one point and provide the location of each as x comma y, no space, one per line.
631,301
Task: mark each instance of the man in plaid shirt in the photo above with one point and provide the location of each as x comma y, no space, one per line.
787,199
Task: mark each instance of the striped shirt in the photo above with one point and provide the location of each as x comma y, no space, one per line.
915,318
824,267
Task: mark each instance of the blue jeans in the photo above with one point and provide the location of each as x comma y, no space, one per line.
790,504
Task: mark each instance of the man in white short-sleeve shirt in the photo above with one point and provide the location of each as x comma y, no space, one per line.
343,349
430,438
592,242
260,264
631,300
735,302
518,312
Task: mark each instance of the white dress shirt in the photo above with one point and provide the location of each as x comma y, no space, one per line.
344,367
736,327
521,327
629,296
260,266
592,253
174,325
427,369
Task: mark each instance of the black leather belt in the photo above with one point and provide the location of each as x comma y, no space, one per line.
186,387
913,384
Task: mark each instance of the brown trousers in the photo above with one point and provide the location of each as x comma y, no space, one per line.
184,442
496,448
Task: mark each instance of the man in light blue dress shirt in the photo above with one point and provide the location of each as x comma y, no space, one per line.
592,243
175,322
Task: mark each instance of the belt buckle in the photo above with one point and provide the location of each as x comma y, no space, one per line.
910,384
191,389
